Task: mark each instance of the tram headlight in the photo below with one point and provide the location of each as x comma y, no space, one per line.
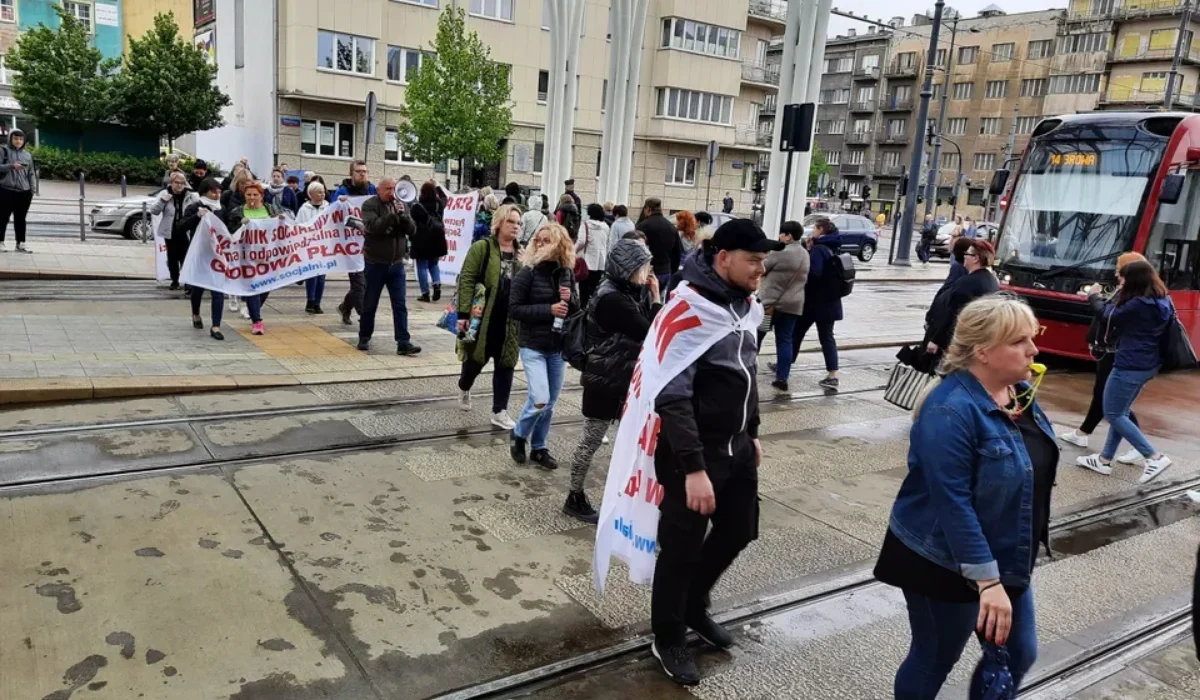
1005,278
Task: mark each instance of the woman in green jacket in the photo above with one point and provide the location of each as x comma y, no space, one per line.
492,262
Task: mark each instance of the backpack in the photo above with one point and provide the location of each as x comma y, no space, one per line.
843,265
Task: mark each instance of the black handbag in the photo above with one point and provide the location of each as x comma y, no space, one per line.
575,340
1177,350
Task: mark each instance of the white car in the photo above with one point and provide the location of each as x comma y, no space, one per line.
124,215
941,245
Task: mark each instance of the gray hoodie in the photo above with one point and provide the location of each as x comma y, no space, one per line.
16,179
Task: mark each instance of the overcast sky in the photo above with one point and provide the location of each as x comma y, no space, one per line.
907,8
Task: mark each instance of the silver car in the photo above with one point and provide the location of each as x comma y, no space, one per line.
124,215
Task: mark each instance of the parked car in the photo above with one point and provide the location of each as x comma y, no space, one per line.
124,215
941,245
858,233
720,217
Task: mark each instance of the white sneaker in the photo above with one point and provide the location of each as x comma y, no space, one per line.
464,400
22,249
1153,468
3,248
233,304
1130,457
604,440
246,312
502,420
1075,438
1093,462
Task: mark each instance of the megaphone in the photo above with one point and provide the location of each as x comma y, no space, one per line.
406,190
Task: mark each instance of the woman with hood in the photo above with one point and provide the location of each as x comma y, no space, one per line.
533,219
172,204
209,201
429,241
567,215
593,247
16,187
618,322
315,204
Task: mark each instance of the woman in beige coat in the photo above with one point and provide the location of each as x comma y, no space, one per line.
782,295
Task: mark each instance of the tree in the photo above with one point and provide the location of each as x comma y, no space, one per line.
167,86
457,105
818,168
60,77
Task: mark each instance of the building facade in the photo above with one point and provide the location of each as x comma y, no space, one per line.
138,15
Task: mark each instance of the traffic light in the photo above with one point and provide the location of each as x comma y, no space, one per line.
903,186
938,201
953,201
843,195
866,192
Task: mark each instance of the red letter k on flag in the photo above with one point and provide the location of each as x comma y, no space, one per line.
672,325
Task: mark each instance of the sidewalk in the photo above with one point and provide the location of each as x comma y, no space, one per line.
100,348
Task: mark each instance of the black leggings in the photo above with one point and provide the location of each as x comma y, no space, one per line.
1104,367
14,205
177,248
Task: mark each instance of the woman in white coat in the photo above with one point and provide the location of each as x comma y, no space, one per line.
314,287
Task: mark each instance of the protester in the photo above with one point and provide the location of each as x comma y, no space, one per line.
708,453
172,204
483,219
570,184
1140,314
567,214
513,190
621,225
387,226
609,218
172,168
704,229
958,252
238,167
1103,346
978,281
255,207
292,197
974,509
357,185
429,241
727,204
928,236
782,295
17,180
233,197
308,178
314,287
618,321
494,263
971,230
958,230
592,246
686,224
533,219
198,176
542,292
208,201
822,298
663,240
277,190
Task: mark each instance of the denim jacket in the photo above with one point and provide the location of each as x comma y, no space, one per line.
967,502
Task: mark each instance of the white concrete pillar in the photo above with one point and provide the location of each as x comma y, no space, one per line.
803,161
632,87
566,25
788,91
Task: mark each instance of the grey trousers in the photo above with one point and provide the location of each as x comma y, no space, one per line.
593,433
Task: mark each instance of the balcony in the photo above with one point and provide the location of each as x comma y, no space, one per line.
891,137
760,73
752,136
889,170
1129,9
1129,96
896,70
871,73
770,10
896,104
853,169
768,107
858,138
863,106
1115,56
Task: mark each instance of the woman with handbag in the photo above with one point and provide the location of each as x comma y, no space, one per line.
491,264
970,516
1140,314
782,296
591,251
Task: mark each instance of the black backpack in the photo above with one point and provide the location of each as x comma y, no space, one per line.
843,265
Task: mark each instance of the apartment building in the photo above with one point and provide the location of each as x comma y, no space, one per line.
705,77
138,15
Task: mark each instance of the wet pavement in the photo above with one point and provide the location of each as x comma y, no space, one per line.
227,555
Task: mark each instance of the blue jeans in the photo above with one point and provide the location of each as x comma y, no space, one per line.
1120,392
825,333
939,633
785,354
254,303
428,270
544,375
314,289
218,301
378,276
663,282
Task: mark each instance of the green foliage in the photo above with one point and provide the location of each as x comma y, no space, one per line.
458,104
167,87
57,164
818,168
60,76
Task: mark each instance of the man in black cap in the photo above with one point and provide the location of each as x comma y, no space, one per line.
708,453
571,191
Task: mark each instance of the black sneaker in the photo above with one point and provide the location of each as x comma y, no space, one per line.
779,386
516,448
308,307
677,662
437,292
174,287
408,349
712,633
543,459
771,366
317,309
579,507
424,297
364,345
345,312
830,383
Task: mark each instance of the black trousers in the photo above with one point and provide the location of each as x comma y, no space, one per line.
354,297
588,287
177,248
1095,414
689,563
14,205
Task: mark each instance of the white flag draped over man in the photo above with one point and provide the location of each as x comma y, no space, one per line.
682,331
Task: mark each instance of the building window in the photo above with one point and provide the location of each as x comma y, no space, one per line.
694,106
939,59
1153,83
1084,43
543,86
897,127
838,126
539,156
950,161
996,89
833,157
989,125
327,138
239,33
956,126
1025,124
1002,52
870,62
1041,48
856,157
345,53
686,35
1033,87
493,9
391,145
822,127
865,94
967,55
862,126
1074,84
906,60
962,91
81,11
891,159
402,64
6,75
985,161
426,3
839,65
8,11
681,171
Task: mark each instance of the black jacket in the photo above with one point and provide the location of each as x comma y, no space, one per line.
709,411
823,288
946,307
429,240
230,200
534,291
618,322
194,182
662,238
929,232
385,232
191,219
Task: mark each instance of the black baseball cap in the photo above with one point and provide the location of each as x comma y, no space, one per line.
743,234
570,182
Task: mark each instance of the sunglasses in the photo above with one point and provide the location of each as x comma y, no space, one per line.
970,255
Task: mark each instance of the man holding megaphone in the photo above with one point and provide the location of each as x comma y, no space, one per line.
386,229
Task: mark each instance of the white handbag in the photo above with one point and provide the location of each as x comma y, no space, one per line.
906,385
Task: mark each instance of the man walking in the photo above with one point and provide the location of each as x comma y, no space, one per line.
387,227
571,192
357,185
708,453
663,240
727,204
928,236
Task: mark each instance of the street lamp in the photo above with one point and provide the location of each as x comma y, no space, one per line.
957,178
937,150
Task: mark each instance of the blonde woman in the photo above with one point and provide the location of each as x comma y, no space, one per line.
975,507
543,295
314,205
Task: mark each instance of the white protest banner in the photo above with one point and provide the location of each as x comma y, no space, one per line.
267,254
161,271
682,331
459,220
